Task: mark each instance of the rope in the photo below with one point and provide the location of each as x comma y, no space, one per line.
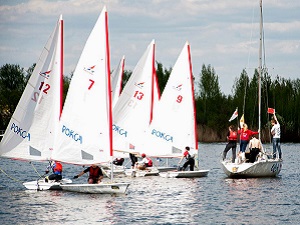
35,169
12,178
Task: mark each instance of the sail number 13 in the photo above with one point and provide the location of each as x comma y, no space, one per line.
138,95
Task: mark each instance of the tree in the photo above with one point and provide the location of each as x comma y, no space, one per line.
210,102
240,88
163,75
209,83
126,76
12,84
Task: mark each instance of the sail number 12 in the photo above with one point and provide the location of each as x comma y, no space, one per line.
44,88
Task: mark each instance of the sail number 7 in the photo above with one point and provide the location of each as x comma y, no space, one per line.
92,83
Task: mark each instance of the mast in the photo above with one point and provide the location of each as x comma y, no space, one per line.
260,69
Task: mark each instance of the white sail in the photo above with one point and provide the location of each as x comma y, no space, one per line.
30,133
174,125
133,111
116,81
85,131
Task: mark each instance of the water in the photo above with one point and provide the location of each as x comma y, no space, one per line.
214,199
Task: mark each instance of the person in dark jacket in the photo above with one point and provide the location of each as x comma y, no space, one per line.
189,160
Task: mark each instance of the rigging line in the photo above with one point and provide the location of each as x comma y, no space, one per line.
264,74
35,169
12,178
249,53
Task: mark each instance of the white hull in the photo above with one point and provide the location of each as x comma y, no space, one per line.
263,168
103,188
185,174
166,169
116,173
41,185
141,173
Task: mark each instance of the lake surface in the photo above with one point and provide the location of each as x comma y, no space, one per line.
214,199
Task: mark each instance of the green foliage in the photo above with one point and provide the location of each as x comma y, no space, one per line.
162,76
12,84
211,104
213,109
209,83
126,76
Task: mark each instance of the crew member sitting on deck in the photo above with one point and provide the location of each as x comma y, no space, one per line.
118,161
255,147
57,171
95,176
144,163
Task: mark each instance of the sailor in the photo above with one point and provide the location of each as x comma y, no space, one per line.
189,159
118,161
255,147
95,174
144,163
232,138
56,169
276,137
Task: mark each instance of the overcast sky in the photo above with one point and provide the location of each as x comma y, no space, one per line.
222,33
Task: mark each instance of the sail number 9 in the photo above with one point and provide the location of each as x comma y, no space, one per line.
179,98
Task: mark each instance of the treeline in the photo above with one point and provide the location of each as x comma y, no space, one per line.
212,106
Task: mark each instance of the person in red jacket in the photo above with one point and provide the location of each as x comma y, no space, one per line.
56,168
232,138
95,174
245,135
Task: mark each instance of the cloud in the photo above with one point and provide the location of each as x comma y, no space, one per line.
221,33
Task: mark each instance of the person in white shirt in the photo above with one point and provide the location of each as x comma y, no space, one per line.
275,131
144,163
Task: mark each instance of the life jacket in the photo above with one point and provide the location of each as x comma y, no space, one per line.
187,155
149,163
94,172
232,136
57,169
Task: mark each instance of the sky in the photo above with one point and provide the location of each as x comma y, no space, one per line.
222,33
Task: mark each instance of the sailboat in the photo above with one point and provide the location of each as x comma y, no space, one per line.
31,130
116,81
133,111
174,124
264,166
84,134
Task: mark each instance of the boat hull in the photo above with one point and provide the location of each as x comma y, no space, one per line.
265,168
185,174
141,173
109,188
41,185
166,169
